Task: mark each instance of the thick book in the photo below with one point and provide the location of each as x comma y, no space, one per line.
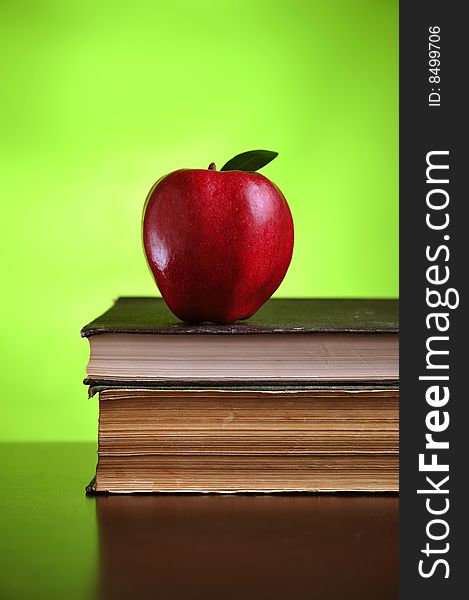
289,341
247,439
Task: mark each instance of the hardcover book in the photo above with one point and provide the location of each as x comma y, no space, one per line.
296,341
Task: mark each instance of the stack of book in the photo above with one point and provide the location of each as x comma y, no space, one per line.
301,397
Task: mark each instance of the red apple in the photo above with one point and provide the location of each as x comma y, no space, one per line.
217,242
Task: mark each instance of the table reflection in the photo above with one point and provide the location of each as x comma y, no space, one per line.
246,546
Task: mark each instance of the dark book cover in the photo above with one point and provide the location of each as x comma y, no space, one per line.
278,315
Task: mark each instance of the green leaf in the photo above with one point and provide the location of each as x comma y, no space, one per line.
250,161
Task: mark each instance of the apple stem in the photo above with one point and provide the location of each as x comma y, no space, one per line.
212,167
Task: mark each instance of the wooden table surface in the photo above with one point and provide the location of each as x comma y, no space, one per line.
57,543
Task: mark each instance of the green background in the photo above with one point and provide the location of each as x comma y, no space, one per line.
99,99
